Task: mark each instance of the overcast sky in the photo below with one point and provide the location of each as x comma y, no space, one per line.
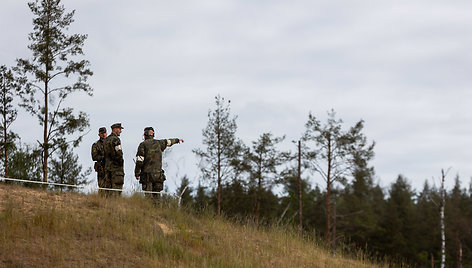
402,66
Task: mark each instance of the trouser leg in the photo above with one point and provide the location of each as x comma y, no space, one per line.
157,187
116,181
147,186
106,183
101,183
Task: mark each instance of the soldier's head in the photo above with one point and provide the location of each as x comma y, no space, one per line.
102,132
148,132
116,128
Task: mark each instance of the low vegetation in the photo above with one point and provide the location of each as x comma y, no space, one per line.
43,228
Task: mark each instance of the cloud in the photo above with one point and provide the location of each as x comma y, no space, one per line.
401,66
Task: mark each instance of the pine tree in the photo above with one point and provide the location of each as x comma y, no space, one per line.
237,201
458,226
220,140
46,76
65,169
185,192
357,218
398,222
240,163
333,154
467,245
427,225
264,158
312,207
9,88
202,200
25,163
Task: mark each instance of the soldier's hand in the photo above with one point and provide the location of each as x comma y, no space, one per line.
181,141
137,178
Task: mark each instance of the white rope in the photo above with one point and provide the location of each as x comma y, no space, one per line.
81,186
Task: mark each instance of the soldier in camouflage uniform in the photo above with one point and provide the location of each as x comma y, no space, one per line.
148,169
114,161
98,155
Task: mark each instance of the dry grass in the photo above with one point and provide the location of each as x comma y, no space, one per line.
44,229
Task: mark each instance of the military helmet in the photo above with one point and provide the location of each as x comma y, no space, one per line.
102,130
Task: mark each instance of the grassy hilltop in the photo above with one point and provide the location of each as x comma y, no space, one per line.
44,229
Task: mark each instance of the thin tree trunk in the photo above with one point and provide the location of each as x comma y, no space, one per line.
46,110
333,244
5,131
45,133
300,217
443,227
283,214
5,146
218,210
259,190
328,214
328,199
258,200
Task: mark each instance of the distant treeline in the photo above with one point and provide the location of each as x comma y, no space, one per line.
394,222
350,211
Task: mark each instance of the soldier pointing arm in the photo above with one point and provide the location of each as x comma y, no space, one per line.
148,169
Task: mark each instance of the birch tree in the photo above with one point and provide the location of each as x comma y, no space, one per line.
443,226
441,204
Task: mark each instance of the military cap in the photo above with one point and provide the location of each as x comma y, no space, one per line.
102,130
148,128
116,125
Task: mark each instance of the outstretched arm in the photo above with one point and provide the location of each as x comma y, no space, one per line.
171,142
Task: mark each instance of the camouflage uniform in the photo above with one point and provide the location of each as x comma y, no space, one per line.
98,155
149,163
114,161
